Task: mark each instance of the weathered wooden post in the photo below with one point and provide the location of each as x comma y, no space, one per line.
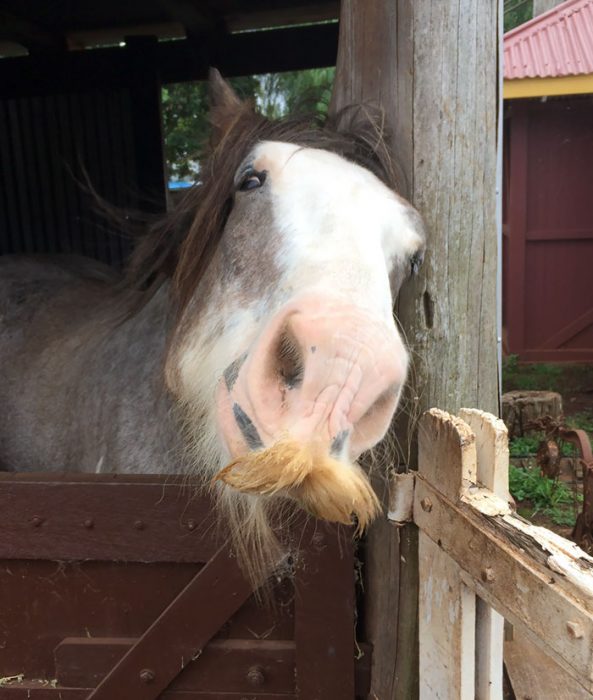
432,66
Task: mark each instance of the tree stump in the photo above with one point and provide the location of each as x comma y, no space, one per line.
520,408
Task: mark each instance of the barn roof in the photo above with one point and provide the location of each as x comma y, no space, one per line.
67,46
558,43
38,25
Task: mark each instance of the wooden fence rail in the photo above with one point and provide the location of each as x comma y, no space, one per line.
480,563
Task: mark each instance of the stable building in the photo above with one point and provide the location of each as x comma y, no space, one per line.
548,186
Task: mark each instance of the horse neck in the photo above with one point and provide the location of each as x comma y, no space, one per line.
135,347
94,389
128,363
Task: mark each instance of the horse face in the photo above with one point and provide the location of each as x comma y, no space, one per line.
300,338
315,247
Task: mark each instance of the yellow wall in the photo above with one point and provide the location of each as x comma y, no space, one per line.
540,87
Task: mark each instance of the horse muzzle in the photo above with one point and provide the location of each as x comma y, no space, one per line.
323,373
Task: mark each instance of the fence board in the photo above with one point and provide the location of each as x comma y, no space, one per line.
324,622
447,622
103,519
533,674
446,606
184,626
536,579
493,473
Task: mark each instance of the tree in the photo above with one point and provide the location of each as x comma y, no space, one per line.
516,12
185,109
185,123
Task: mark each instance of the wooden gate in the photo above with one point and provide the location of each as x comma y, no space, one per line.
120,587
479,561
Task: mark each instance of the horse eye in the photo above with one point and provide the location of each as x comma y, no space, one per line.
252,181
416,262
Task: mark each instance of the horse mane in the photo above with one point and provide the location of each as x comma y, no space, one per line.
180,244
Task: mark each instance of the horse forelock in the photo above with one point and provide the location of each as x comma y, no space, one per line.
181,244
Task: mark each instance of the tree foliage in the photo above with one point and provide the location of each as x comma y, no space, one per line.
516,12
185,122
185,109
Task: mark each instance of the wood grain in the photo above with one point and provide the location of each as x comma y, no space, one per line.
539,581
492,452
447,607
534,675
432,67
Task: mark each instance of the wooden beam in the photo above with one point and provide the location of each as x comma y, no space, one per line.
27,33
32,690
548,87
149,666
91,38
248,53
198,20
282,16
81,662
102,518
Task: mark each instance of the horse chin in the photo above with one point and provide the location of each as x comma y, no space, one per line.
323,486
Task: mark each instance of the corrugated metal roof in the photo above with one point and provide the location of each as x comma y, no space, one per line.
556,44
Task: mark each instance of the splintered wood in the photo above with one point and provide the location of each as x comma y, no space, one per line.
480,562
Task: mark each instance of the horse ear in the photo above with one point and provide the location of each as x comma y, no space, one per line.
225,105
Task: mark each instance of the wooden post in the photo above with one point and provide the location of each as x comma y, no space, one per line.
432,66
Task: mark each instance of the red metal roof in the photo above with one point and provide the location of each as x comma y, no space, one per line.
556,44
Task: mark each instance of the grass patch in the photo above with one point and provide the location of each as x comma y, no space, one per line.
530,376
527,446
582,420
545,496
567,378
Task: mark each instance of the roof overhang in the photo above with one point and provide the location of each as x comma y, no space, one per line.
548,87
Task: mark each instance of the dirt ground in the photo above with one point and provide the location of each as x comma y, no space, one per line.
576,389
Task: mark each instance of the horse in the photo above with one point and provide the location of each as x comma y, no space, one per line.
249,344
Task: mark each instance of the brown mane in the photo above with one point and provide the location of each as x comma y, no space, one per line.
180,245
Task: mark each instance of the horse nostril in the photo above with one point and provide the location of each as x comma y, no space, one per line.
288,360
382,407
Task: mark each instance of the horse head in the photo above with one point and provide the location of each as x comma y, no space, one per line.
286,357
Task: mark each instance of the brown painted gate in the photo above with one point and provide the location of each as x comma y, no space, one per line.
118,587
548,243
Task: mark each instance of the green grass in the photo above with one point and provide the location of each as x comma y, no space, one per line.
546,496
530,377
535,493
527,446
566,378
582,420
